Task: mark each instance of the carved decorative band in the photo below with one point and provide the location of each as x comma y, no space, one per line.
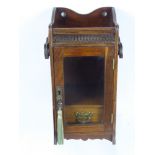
84,38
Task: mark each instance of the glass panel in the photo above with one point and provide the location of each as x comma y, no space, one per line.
83,80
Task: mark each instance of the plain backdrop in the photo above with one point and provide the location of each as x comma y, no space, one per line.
25,83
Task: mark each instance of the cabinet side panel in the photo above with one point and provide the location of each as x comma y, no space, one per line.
53,92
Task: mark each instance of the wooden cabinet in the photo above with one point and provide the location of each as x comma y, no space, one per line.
83,52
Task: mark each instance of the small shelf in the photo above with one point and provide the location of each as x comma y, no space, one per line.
84,106
84,124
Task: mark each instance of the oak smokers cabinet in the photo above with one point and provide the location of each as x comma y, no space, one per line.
83,50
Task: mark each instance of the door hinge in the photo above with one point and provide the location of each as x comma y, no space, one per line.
113,63
112,118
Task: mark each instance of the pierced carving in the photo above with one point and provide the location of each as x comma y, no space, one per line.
84,38
86,137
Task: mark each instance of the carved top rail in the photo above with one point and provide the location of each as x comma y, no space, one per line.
84,38
69,28
66,18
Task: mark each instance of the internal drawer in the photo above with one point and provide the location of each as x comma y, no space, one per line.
83,114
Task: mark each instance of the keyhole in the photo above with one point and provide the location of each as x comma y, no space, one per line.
59,92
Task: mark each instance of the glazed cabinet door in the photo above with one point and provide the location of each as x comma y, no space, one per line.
85,76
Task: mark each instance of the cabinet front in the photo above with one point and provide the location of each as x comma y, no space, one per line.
84,79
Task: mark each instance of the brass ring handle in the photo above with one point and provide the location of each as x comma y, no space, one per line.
83,117
120,49
46,49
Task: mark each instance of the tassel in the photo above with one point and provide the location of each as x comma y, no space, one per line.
60,132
